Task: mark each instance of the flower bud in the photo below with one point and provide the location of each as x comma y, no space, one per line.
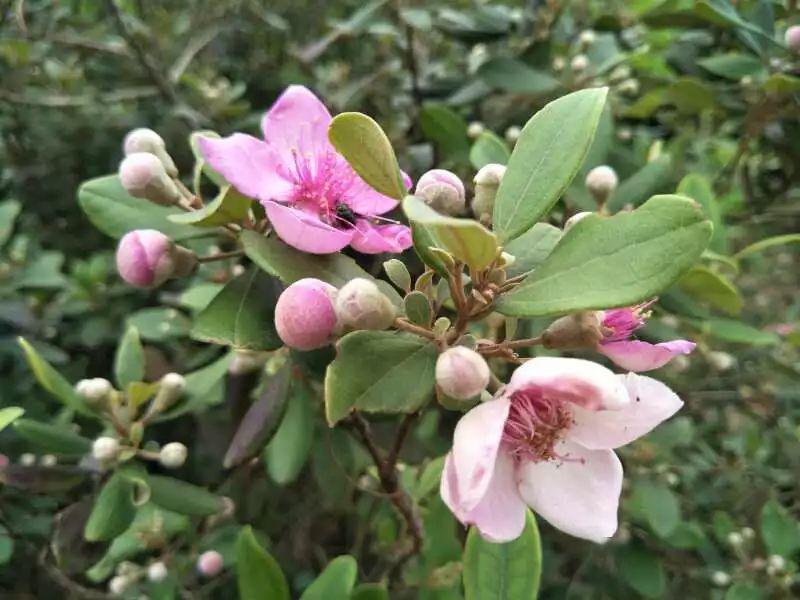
748,533
721,361
600,182
513,133
95,391
173,455
486,182
147,258
777,562
147,140
720,578
119,585
574,219
304,315
143,176
157,572
48,460
105,449
578,330
442,191
587,37
629,87
792,38
475,128
209,563
461,373
559,62
361,305
579,63
27,460
620,73
735,539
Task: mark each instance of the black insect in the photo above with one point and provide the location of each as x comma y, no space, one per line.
346,213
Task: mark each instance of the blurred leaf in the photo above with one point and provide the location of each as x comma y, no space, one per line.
482,24
650,179
6,545
715,289
744,591
782,84
160,324
113,510
182,497
9,209
10,414
447,130
779,530
642,570
736,331
43,272
286,454
228,207
532,248
57,439
514,76
336,581
722,12
129,361
761,245
259,577
370,591
690,96
698,188
489,148
659,505
51,380
732,65
71,552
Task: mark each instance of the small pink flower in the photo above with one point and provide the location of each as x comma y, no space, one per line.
210,563
313,198
305,317
546,441
619,324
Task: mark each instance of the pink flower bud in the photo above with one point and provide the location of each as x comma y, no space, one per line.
147,140
461,373
361,305
601,181
304,314
442,191
143,175
147,258
210,563
793,38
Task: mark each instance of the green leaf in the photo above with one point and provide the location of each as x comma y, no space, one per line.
744,591
698,188
717,290
423,241
182,497
228,207
446,129
286,454
642,570
509,571
770,242
418,309
115,213
336,581
6,545
722,12
782,84
9,209
10,414
52,380
532,248
398,274
488,149
735,331
779,530
690,96
44,271
467,240
113,510
659,505
603,262
160,324
370,591
278,259
379,371
545,159
57,439
363,143
732,65
650,179
242,315
514,76
129,361
258,575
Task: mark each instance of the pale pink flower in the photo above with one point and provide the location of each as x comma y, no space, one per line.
619,324
315,201
546,441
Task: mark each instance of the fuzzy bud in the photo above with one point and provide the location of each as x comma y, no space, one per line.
173,455
587,37
487,181
461,373
304,314
475,128
361,305
143,176
579,63
559,62
95,391
119,585
720,578
513,133
442,191
48,460
629,87
147,140
210,563
578,330
27,460
157,572
620,73
105,449
147,258
721,361
600,182
792,38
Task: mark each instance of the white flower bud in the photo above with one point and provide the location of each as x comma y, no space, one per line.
475,129
105,449
579,63
143,176
157,572
672,479
777,562
173,455
118,585
94,391
721,361
513,133
361,305
210,563
629,87
461,373
600,182
748,533
574,219
559,62
620,73
147,140
48,460
720,578
487,181
735,539
442,191
587,37
27,460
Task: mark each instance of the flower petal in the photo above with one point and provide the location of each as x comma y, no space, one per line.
579,497
636,355
305,231
579,381
500,515
476,442
248,164
298,121
374,239
364,200
651,403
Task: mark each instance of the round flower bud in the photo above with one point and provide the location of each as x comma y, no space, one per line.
170,388
105,448
735,538
210,563
118,585
461,373
748,533
574,219
629,87
48,460
579,63
147,140
587,37
793,38
486,181
147,258
721,361
304,315
720,578
94,391
27,460
173,455
361,305
620,73
157,572
442,191
513,133
600,182
559,62
777,562
143,176
475,129
578,330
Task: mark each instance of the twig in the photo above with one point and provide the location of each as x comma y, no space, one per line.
411,328
220,256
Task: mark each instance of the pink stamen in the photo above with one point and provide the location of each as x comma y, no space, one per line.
535,424
621,323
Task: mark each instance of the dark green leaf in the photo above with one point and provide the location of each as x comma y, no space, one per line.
336,581
532,248
288,450
512,75
228,207
52,380
113,510
129,361
182,497
779,530
57,439
447,130
642,570
258,576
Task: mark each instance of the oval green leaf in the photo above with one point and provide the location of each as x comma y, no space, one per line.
336,581
258,575
57,439
113,510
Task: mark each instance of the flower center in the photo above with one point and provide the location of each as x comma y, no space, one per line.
535,425
620,323
321,186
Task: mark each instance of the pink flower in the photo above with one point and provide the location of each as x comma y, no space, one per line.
313,198
546,441
618,326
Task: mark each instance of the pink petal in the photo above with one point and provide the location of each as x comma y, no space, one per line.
305,231
581,382
374,239
636,355
248,164
579,497
298,121
500,515
366,201
651,403
475,445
